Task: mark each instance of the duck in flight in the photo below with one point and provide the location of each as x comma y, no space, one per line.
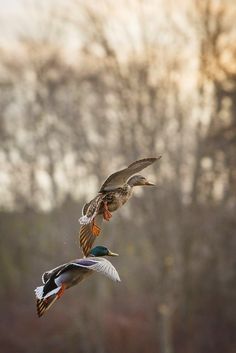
114,193
57,280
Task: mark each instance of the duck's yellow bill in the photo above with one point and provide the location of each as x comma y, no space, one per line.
149,183
112,253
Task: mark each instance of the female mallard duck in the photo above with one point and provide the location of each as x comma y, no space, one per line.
115,192
67,275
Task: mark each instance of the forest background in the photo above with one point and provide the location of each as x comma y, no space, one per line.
86,89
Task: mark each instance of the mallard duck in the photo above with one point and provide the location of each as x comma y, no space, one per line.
114,193
67,275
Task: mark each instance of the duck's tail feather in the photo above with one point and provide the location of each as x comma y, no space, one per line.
86,238
39,292
85,219
88,234
44,304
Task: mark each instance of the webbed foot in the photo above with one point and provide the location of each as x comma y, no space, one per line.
106,213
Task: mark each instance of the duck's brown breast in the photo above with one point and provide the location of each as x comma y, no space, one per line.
118,198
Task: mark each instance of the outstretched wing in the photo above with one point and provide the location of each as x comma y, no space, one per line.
97,264
87,236
118,179
106,268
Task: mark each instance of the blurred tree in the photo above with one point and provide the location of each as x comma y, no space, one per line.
141,82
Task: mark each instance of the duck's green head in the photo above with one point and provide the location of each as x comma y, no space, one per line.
100,250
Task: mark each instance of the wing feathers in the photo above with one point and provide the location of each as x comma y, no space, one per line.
118,179
91,210
143,163
86,235
106,268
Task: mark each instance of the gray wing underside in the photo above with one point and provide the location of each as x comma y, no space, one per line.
106,268
119,178
98,265
83,264
86,235
57,271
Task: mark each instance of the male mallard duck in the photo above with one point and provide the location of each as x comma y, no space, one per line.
67,275
114,193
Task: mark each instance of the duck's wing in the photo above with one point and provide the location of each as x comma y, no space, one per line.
49,286
106,268
90,209
82,264
118,179
52,273
85,208
89,232
97,264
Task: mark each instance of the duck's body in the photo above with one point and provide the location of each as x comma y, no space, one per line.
57,280
117,198
112,199
114,193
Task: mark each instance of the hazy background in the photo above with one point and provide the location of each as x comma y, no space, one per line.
86,88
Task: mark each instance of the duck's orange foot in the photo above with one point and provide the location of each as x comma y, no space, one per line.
107,215
95,229
61,291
